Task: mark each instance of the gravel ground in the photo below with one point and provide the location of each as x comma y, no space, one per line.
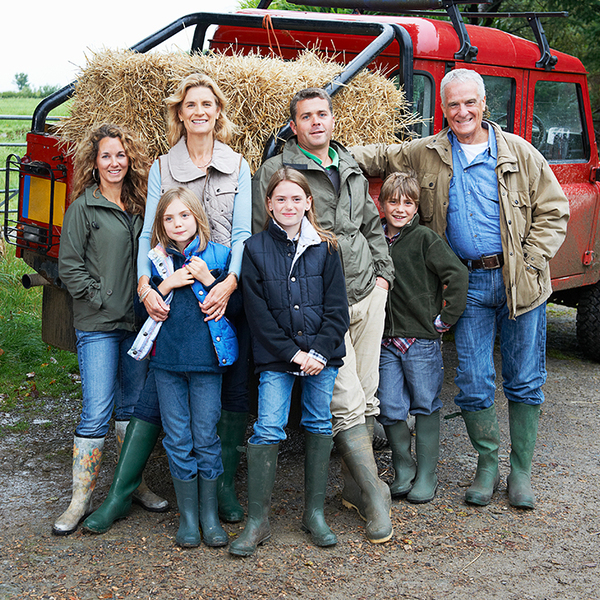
444,549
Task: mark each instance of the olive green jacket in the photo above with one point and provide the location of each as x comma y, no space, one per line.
97,263
533,208
351,215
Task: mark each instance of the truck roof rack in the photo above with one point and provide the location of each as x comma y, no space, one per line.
467,51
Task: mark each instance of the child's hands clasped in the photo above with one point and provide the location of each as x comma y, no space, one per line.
308,364
199,269
179,279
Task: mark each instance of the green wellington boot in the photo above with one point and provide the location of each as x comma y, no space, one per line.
143,495
356,450
351,493
523,420
482,427
188,534
316,473
212,533
139,442
87,458
262,466
428,451
232,430
405,468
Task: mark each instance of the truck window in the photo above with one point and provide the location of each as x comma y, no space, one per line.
557,129
423,102
500,100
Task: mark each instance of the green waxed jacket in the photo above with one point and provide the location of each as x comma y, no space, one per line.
533,208
97,263
351,215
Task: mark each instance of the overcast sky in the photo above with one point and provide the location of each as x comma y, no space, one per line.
48,39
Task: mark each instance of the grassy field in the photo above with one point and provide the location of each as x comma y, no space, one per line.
29,369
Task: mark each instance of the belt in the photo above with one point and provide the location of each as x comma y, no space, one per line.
493,261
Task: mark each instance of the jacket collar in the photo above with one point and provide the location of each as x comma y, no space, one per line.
295,158
184,170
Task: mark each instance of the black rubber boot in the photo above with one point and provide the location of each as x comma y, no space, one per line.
316,472
523,420
262,466
482,427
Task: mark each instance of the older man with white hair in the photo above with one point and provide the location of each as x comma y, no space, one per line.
496,201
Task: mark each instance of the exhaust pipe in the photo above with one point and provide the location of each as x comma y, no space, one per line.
32,280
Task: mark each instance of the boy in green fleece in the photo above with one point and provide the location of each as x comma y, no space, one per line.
428,296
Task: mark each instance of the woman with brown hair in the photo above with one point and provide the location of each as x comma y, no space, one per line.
97,264
198,131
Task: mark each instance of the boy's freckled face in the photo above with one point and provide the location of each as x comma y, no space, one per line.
399,212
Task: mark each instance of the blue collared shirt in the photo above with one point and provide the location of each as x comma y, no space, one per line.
473,218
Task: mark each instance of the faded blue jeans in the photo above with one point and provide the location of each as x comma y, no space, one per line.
522,346
190,406
274,401
110,379
410,382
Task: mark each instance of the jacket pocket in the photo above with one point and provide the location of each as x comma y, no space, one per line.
519,219
427,197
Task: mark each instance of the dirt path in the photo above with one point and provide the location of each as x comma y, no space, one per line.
444,549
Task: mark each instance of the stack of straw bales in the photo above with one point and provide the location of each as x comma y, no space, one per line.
129,89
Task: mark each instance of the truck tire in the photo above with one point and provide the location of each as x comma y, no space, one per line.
588,322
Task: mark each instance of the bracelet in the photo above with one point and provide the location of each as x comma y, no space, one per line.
142,288
144,293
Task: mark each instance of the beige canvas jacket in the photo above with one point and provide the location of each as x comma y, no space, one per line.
533,208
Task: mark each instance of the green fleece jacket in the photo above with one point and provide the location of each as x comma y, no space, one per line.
429,280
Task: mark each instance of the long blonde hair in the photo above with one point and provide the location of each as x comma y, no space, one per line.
289,174
135,183
224,128
192,202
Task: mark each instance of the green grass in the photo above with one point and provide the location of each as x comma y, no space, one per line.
29,368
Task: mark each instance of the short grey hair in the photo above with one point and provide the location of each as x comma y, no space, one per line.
462,76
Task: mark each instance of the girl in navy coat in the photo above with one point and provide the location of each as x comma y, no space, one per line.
188,356
295,300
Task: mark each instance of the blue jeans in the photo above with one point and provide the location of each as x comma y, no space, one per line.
190,406
274,400
522,346
110,379
234,393
410,382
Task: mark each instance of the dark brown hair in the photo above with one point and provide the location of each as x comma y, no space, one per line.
135,183
308,94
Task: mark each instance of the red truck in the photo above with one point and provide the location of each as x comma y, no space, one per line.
533,91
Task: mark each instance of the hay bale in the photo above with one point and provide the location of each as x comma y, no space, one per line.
128,88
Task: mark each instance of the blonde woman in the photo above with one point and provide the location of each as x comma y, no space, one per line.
200,159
